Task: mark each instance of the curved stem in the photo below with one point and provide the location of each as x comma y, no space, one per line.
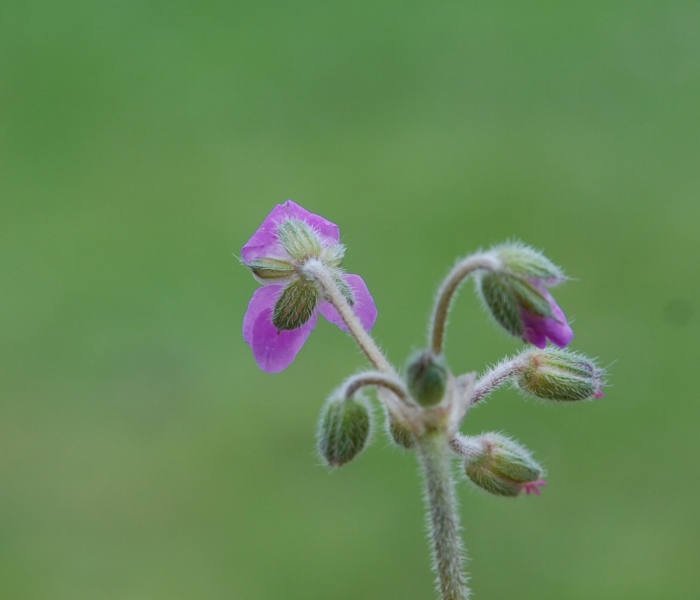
496,377
395,396
374,378
465,447
447,290
441,502
316,270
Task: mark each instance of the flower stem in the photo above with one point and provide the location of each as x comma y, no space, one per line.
441,502
447,290
374,378
503,372
316,270
390,390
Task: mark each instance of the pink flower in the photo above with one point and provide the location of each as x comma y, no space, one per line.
282,313
537,328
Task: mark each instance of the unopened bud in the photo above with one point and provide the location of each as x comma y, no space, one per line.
426,377
343,431
400,435
554,374
516,295
503,468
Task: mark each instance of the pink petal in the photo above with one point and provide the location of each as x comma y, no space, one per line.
536,329
264,243
263,298
364,306
534,487
532,330
273,351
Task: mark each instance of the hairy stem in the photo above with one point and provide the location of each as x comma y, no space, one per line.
444,526
391,391
494,378
316,270
377,379
446,293
465,447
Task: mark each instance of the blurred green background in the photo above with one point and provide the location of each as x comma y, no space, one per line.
142,453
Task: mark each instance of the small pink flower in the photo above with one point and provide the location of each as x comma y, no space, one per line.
289,236
537,328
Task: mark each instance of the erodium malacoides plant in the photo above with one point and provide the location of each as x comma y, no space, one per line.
297,257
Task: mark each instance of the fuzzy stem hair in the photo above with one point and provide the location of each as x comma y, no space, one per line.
443,516
495,377
317,271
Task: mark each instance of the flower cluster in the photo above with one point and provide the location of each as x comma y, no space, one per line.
297,257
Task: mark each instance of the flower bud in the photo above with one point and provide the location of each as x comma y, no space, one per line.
399,434
343,431
426,377
516,295
503,468
554,374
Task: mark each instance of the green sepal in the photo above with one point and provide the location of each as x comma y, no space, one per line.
516,468
296,305
299,239
270,269
486,481
558,388
333,255
525,262
529,297
502,302
343,287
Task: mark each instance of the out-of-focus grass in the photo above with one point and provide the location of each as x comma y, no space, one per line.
143,455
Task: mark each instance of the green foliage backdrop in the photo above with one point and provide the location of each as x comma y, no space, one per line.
144,456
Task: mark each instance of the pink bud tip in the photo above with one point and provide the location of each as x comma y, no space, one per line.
534,487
